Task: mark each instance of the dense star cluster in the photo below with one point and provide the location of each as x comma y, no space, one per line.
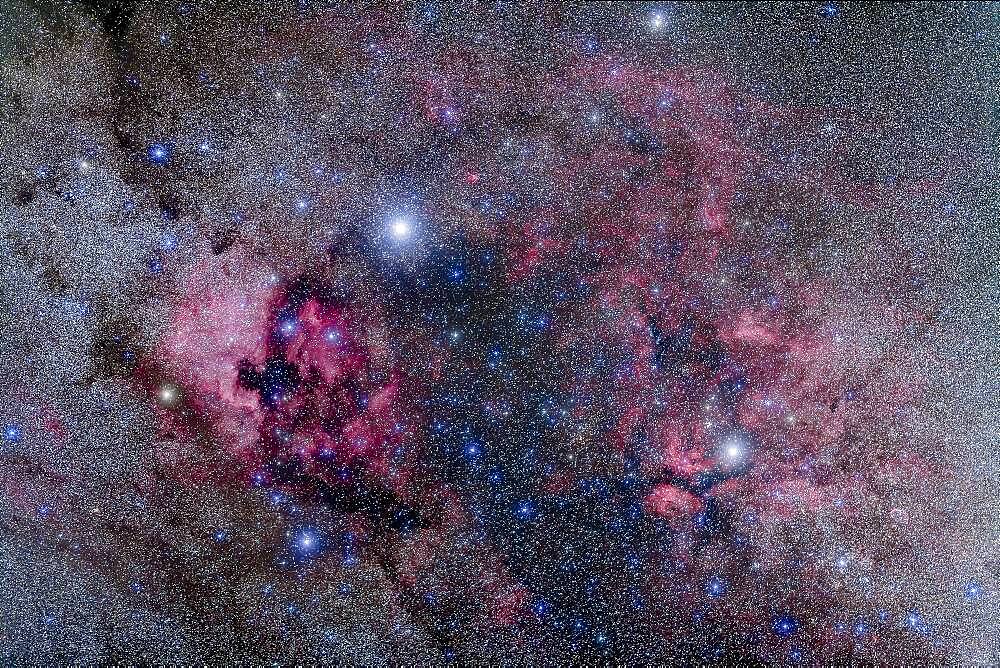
510,333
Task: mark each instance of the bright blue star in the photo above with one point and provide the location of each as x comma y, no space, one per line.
525,511
305,542
914,622
12,433
288,327
350,557
472,449
158,154
657,20
785,626
168,241
715,587
541,608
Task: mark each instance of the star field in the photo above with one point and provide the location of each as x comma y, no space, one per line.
508,333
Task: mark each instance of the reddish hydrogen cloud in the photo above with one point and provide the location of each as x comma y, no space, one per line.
294,382
692,350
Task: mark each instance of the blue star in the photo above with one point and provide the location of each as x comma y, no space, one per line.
472,450
288,327
158,154
350,558
973,591
915,622
12,433
785,626
525,511
541,608
168,241
715,587
305,542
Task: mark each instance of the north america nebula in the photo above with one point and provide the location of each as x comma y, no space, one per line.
499,333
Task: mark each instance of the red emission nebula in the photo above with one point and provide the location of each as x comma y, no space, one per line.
689,363
545,334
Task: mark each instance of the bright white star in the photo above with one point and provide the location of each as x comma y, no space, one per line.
401,228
